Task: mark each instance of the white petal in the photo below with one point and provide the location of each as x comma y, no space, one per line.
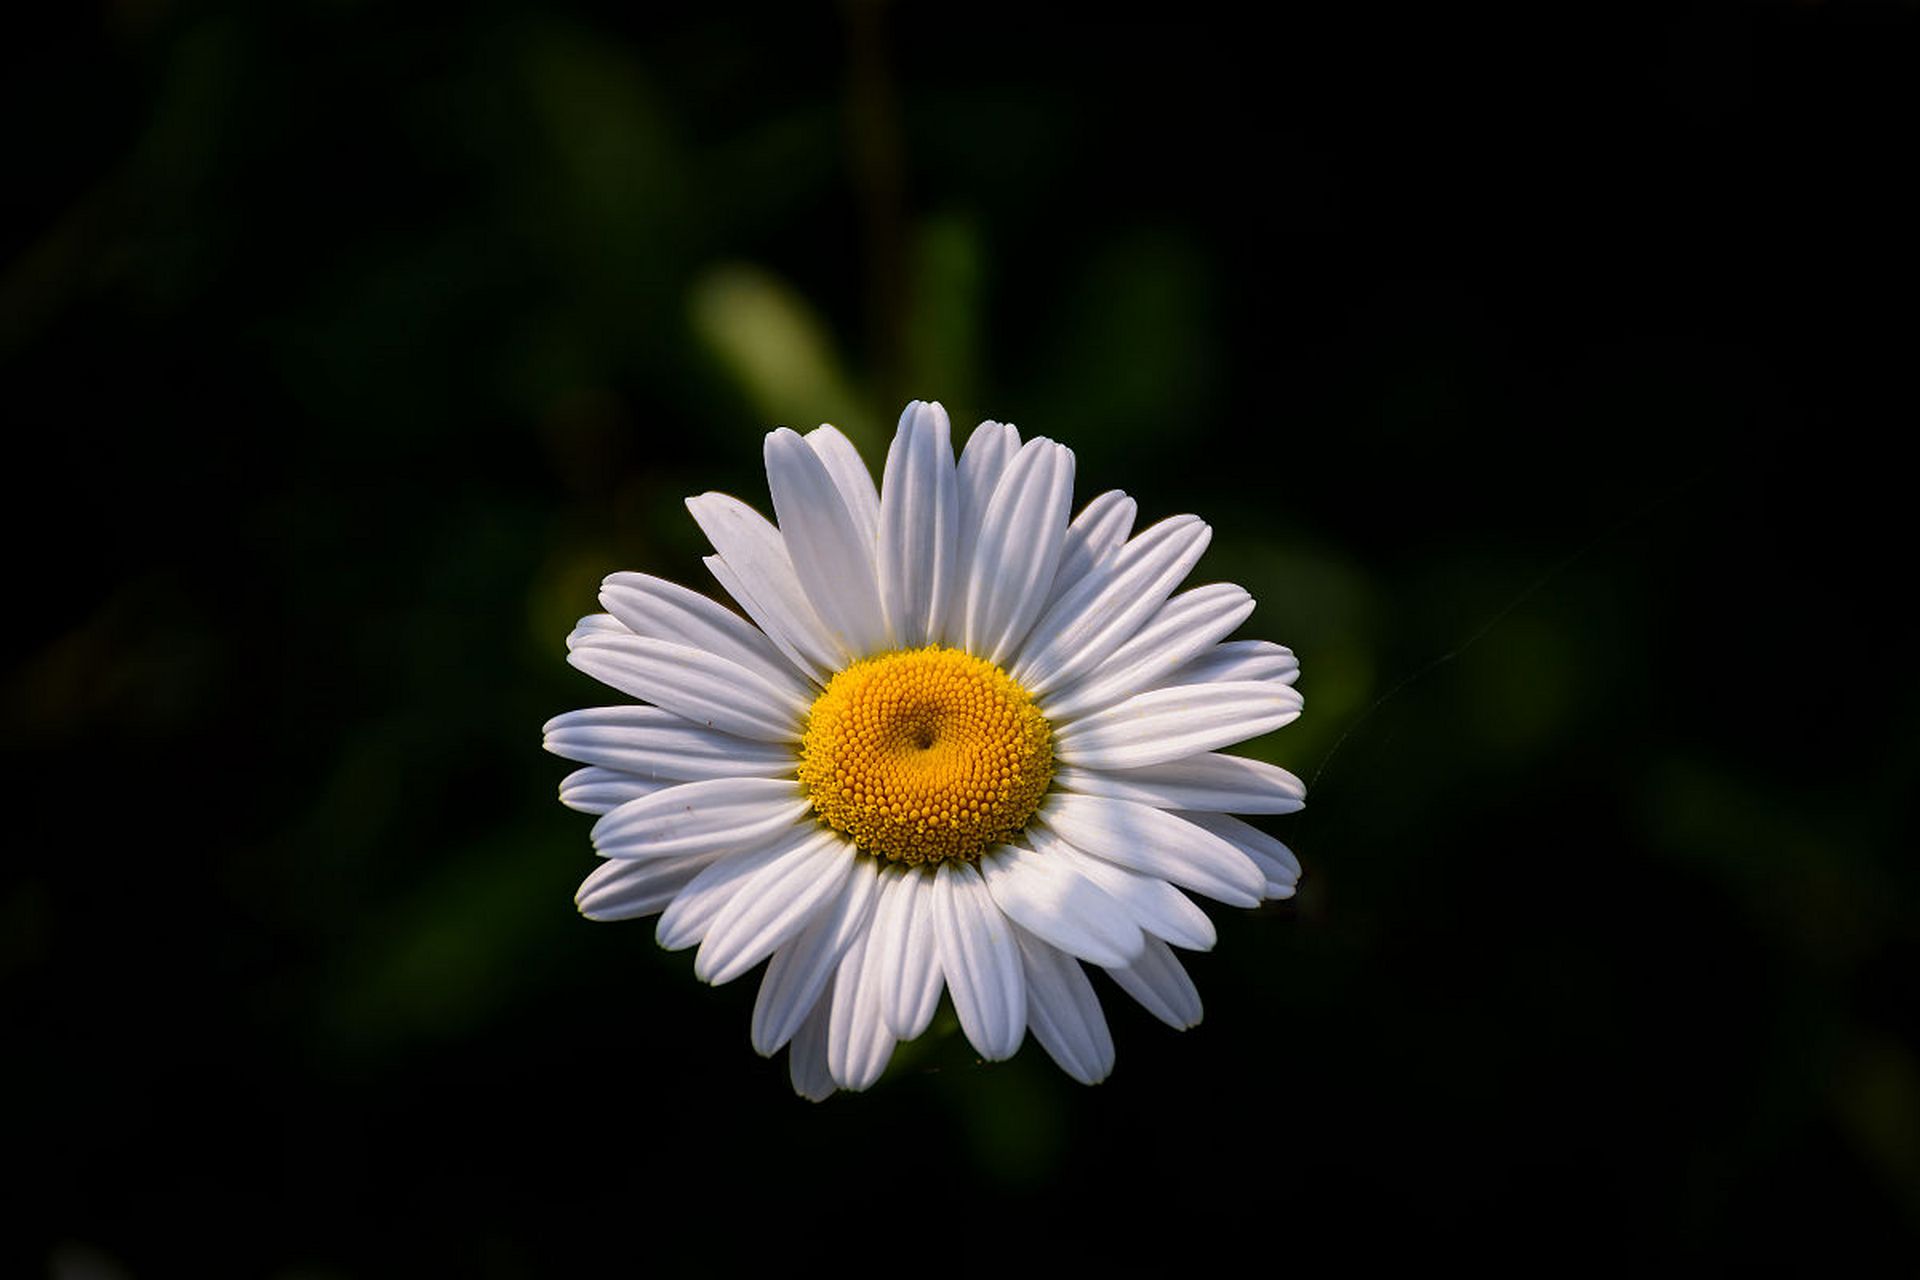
1175,721
1182,627
780,901
629,888
905,954
1240,660
981,961
663,610
594,624
700,686
1049,899
777,628
1095,534
1105,608
692,912
1155,842
850,476
858,1042
597,790
801,970
832,554
660,746
1064,1012
989,449
1274,859
717,815
1156,906
1210,783
919,509
1161,986
756,570
807,1056
1018,552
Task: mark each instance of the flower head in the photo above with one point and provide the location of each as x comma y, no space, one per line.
965,743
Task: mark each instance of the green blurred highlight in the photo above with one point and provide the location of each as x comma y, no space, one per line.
945,321
779,353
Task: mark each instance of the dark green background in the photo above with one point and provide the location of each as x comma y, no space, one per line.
1530,368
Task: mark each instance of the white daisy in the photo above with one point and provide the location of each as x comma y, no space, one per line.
965,744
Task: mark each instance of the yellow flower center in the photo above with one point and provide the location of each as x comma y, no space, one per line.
925,754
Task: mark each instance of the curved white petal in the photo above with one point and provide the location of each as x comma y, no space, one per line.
1210,783
981,962
807,1056
984,460
919,509
1095,534
1104,609
1064,1012
700,686
859,1045
800,971
659,746
1240,660
1274,859
1173,722
1162,986
777,903
597,790
662,610
1054,902
594,624
850,476
692,912
1156,906
832,554
777,629
1155,842
755,568
1018,552
629,888
716,815
1183,626
905,953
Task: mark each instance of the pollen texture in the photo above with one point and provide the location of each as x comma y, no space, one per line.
925,754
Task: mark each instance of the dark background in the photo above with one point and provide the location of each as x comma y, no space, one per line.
1542,374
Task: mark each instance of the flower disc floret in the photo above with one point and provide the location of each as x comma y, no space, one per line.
926,755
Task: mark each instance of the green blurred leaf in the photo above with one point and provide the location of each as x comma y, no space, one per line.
779,351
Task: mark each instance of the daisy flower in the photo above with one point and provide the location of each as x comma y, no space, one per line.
968,742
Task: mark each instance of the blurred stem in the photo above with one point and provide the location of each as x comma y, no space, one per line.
879,165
